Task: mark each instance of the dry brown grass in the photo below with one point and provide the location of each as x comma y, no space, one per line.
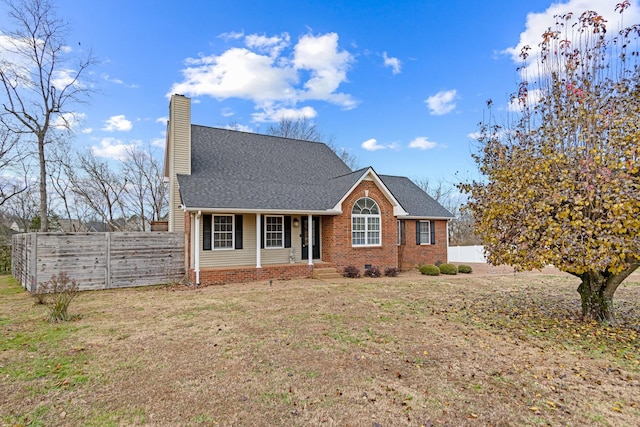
480,349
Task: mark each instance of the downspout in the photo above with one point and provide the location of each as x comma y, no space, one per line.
448,240
196,249
258,233
311,242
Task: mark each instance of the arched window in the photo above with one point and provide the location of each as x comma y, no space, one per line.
365,223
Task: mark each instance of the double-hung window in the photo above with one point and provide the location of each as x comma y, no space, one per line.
365,223
222,232
423,232
274,232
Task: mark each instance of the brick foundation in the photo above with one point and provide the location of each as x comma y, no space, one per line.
218,276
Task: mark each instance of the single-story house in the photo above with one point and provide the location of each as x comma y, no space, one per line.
257,207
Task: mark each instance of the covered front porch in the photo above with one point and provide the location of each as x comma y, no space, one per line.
226,247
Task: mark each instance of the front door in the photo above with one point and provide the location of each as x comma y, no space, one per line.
305,238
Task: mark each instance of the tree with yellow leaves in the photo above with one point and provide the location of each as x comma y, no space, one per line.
561,184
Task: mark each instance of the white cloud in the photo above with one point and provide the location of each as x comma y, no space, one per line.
275,115
272,74
87,130
238,73
373,145
538,23
474,135
68,121
117,123
232,35
239,127
159,142
442,102
422,143
327,65
112,148
393,63
162,120
108,78
533,97
227,112
271,45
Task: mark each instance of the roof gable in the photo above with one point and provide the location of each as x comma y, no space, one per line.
369,173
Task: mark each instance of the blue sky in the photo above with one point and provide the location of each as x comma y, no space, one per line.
400,84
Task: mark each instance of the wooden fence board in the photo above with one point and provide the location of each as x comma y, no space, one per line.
98,260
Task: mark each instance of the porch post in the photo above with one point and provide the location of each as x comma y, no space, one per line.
258,234
196,249
311,242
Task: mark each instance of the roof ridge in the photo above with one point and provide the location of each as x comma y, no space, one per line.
262,134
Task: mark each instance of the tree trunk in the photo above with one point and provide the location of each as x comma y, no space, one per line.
44,218
596,292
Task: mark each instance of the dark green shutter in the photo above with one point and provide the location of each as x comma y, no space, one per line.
262,231
417,232
206,232
287,231
432,228
238,232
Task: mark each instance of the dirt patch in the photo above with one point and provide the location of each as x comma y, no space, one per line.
490,348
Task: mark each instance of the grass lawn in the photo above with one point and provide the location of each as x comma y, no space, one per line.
489,348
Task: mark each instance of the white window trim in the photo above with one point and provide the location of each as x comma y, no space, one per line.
266,217
428,242
366,226
213,233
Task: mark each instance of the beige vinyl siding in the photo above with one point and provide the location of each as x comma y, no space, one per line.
180,152
247,255
232,257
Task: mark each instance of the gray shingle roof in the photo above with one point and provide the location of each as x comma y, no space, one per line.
240,170
413,199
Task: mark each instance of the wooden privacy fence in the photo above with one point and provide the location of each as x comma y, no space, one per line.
98,260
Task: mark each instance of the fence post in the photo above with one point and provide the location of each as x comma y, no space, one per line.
33,285
107,267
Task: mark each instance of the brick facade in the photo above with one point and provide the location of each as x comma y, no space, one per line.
336,234
411,255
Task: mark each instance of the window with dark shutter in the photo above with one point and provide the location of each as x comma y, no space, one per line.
206,232
432,227
238,232
423,232
287,231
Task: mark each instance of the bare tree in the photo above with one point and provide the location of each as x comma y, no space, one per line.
147,193
307,130
461,227
39,81
10,159
23,208
101,188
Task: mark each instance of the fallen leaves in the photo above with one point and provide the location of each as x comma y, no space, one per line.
531,315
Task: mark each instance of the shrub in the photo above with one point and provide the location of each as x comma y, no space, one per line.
439,263
465,269
430,270
391,271
56,295
351,271
372,271
448,269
